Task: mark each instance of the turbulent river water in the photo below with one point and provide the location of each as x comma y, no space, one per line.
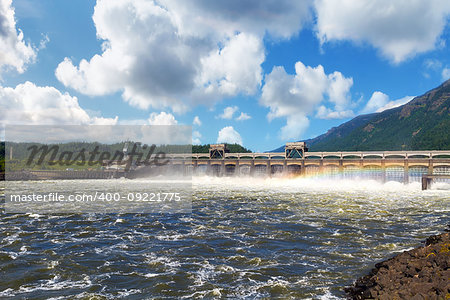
245,238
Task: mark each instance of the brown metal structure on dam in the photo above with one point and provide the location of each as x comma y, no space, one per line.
384,165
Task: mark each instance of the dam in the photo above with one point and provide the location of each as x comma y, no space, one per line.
403,166
296,160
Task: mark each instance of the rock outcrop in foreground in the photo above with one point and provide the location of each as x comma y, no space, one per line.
421,273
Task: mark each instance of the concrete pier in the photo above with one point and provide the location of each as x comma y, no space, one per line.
427,180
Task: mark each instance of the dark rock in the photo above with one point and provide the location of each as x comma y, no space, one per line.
421,273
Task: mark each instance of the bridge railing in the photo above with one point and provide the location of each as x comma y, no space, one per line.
322,154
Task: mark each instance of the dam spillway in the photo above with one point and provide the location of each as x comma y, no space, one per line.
403,166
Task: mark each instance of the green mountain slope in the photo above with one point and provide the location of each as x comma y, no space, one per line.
422,123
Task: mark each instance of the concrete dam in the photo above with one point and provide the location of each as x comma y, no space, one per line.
402,166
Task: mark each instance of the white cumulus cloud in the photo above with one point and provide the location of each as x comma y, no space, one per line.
14,52
174,54
295,125
375,102
446,74
326,113
236,68
196,136
297,96
30,104
243,116
229,135
280,19
379,102
395,103
162,118
228,112
197,121
399,29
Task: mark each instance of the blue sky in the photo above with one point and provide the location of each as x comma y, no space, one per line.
257,72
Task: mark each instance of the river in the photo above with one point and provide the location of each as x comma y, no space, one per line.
244,238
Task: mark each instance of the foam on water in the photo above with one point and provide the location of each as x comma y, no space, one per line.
308,184
245,238
53,284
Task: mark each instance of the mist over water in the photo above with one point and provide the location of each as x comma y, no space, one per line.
246,237
322,183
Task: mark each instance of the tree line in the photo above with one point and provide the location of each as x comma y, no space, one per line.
20,151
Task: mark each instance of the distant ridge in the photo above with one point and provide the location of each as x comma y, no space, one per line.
421,124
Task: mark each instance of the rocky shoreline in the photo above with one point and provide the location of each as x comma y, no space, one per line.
421,273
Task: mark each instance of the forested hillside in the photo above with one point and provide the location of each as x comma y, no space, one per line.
421,124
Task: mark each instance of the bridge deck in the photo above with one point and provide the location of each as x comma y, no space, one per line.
358,154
